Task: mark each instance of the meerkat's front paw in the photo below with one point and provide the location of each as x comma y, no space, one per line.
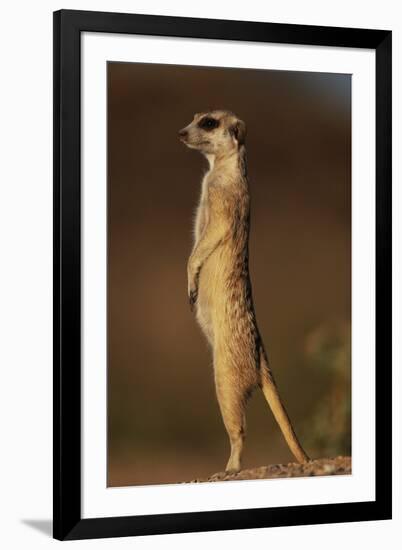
192,297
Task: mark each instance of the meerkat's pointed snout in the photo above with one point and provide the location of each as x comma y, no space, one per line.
183,133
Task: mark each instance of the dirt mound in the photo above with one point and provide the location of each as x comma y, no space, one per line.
341,465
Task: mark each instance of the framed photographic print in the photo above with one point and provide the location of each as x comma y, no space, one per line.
222,274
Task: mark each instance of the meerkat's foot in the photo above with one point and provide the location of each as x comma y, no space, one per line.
233,466
232,470
217,476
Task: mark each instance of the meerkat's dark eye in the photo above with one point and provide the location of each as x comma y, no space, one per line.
208,123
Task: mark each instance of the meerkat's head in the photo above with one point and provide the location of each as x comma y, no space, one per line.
216,133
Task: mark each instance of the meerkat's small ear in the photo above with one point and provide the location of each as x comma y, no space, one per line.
238,131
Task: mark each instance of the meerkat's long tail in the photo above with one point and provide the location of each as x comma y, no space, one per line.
271,394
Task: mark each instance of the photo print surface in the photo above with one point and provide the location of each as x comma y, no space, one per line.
166,422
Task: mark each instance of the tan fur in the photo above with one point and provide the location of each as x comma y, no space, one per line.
219,286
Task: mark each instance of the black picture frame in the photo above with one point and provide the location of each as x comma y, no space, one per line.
68,26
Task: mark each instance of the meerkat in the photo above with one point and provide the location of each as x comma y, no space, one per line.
219,286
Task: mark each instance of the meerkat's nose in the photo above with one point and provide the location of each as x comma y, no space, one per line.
183,133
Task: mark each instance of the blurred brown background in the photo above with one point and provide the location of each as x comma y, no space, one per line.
164,423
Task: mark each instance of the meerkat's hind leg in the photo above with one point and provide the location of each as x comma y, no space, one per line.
232,405
237,436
